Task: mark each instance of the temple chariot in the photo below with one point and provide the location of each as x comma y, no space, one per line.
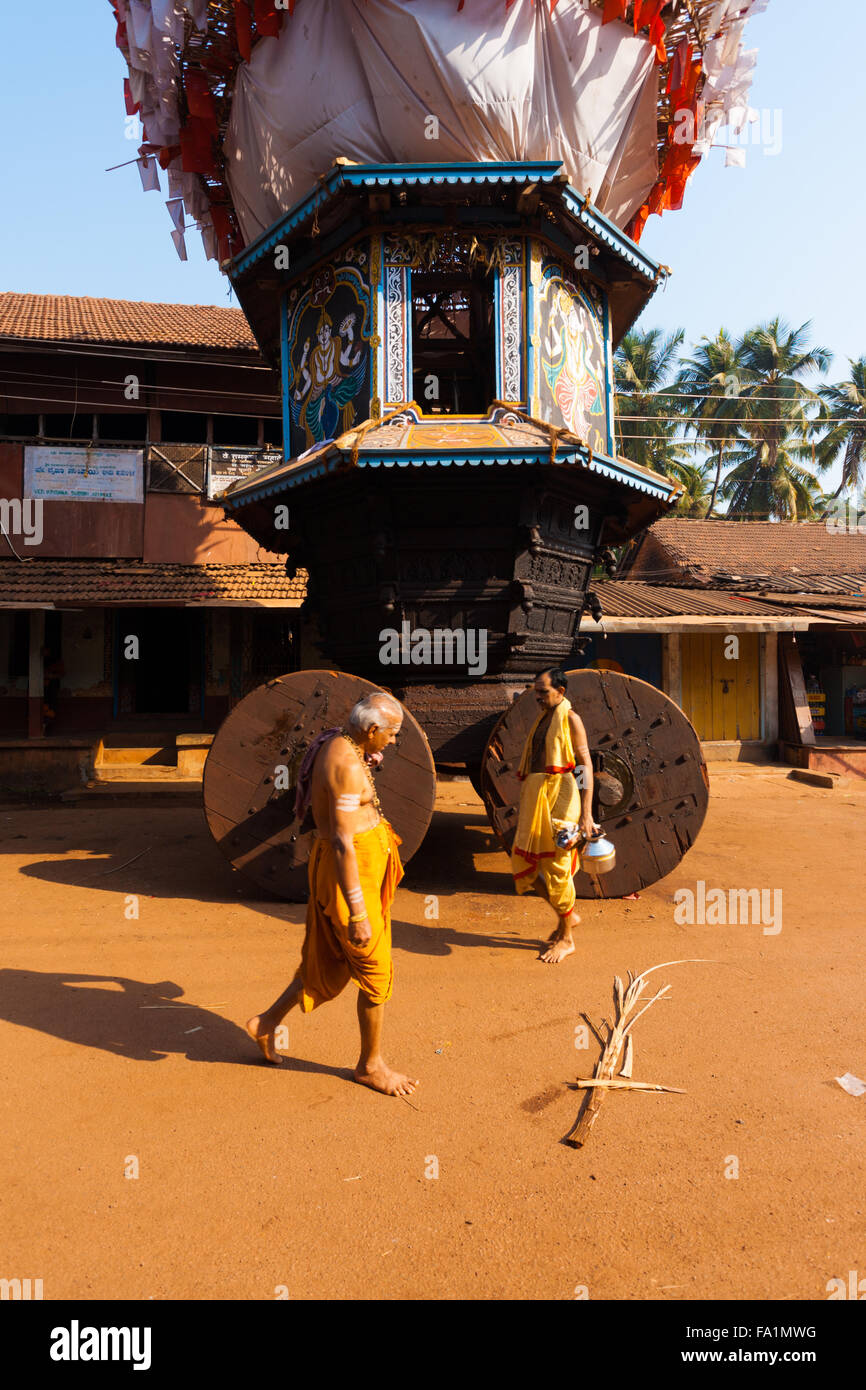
430,213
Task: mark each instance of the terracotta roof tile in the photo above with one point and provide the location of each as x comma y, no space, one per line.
762,554
68,319
132,581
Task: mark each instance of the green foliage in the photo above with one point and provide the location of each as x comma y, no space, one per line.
748,406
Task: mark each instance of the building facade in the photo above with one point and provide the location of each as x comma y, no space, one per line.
132,613
793,595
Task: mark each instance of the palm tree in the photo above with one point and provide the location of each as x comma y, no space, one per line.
695,480
711,382
771,479
786,492
645,364
844,410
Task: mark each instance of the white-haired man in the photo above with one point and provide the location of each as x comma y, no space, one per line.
354,870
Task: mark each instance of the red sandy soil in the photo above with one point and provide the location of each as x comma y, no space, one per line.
255,1180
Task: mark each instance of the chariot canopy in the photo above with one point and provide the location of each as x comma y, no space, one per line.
245,104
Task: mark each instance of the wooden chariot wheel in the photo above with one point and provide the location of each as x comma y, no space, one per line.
651,785
251,814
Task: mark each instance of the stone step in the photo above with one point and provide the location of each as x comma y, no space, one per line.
137,772
152,754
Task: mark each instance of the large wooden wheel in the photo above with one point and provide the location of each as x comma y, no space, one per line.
253,820
650,776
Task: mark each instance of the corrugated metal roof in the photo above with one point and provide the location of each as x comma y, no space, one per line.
621,598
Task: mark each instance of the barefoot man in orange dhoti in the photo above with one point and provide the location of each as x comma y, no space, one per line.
354,870
554,768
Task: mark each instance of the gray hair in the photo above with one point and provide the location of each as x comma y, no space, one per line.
374,709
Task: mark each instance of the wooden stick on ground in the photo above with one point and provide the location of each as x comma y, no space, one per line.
616,1083
625,1003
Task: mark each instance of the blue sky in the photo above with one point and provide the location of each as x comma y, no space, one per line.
784,235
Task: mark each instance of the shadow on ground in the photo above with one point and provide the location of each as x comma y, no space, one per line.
177,859
130,1018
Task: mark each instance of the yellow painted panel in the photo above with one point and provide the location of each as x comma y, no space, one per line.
721,694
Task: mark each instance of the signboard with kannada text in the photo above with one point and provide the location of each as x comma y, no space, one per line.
227,465
84,475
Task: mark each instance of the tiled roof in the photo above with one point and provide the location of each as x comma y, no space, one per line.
622,598
506,436
781,555
132,581
68,319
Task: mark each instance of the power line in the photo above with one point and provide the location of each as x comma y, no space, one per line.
688,423
111,406
698,395
35,377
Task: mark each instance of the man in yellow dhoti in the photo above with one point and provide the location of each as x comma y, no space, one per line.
353,871
554,769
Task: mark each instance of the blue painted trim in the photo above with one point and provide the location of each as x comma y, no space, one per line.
492,171
388,175
609,233
617,469
284,373
467,171
608,374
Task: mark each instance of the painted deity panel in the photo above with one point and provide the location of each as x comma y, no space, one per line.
570,355
329,350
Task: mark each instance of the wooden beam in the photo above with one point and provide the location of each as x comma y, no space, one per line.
770,687
672,667
792,673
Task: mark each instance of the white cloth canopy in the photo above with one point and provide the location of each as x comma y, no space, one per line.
363,78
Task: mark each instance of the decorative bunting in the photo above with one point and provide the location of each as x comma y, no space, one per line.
149,173
179,244
646,11
199,98
180,113
196,148
132,106
175,208
657,38
208,237
267,19
244,29
614,9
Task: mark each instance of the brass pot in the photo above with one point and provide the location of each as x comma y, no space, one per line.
597,856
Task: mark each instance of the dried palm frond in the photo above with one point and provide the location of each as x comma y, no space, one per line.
626,1015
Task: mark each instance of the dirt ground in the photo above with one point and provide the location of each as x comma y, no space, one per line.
122,1052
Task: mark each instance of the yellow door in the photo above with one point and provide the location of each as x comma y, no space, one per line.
721,684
